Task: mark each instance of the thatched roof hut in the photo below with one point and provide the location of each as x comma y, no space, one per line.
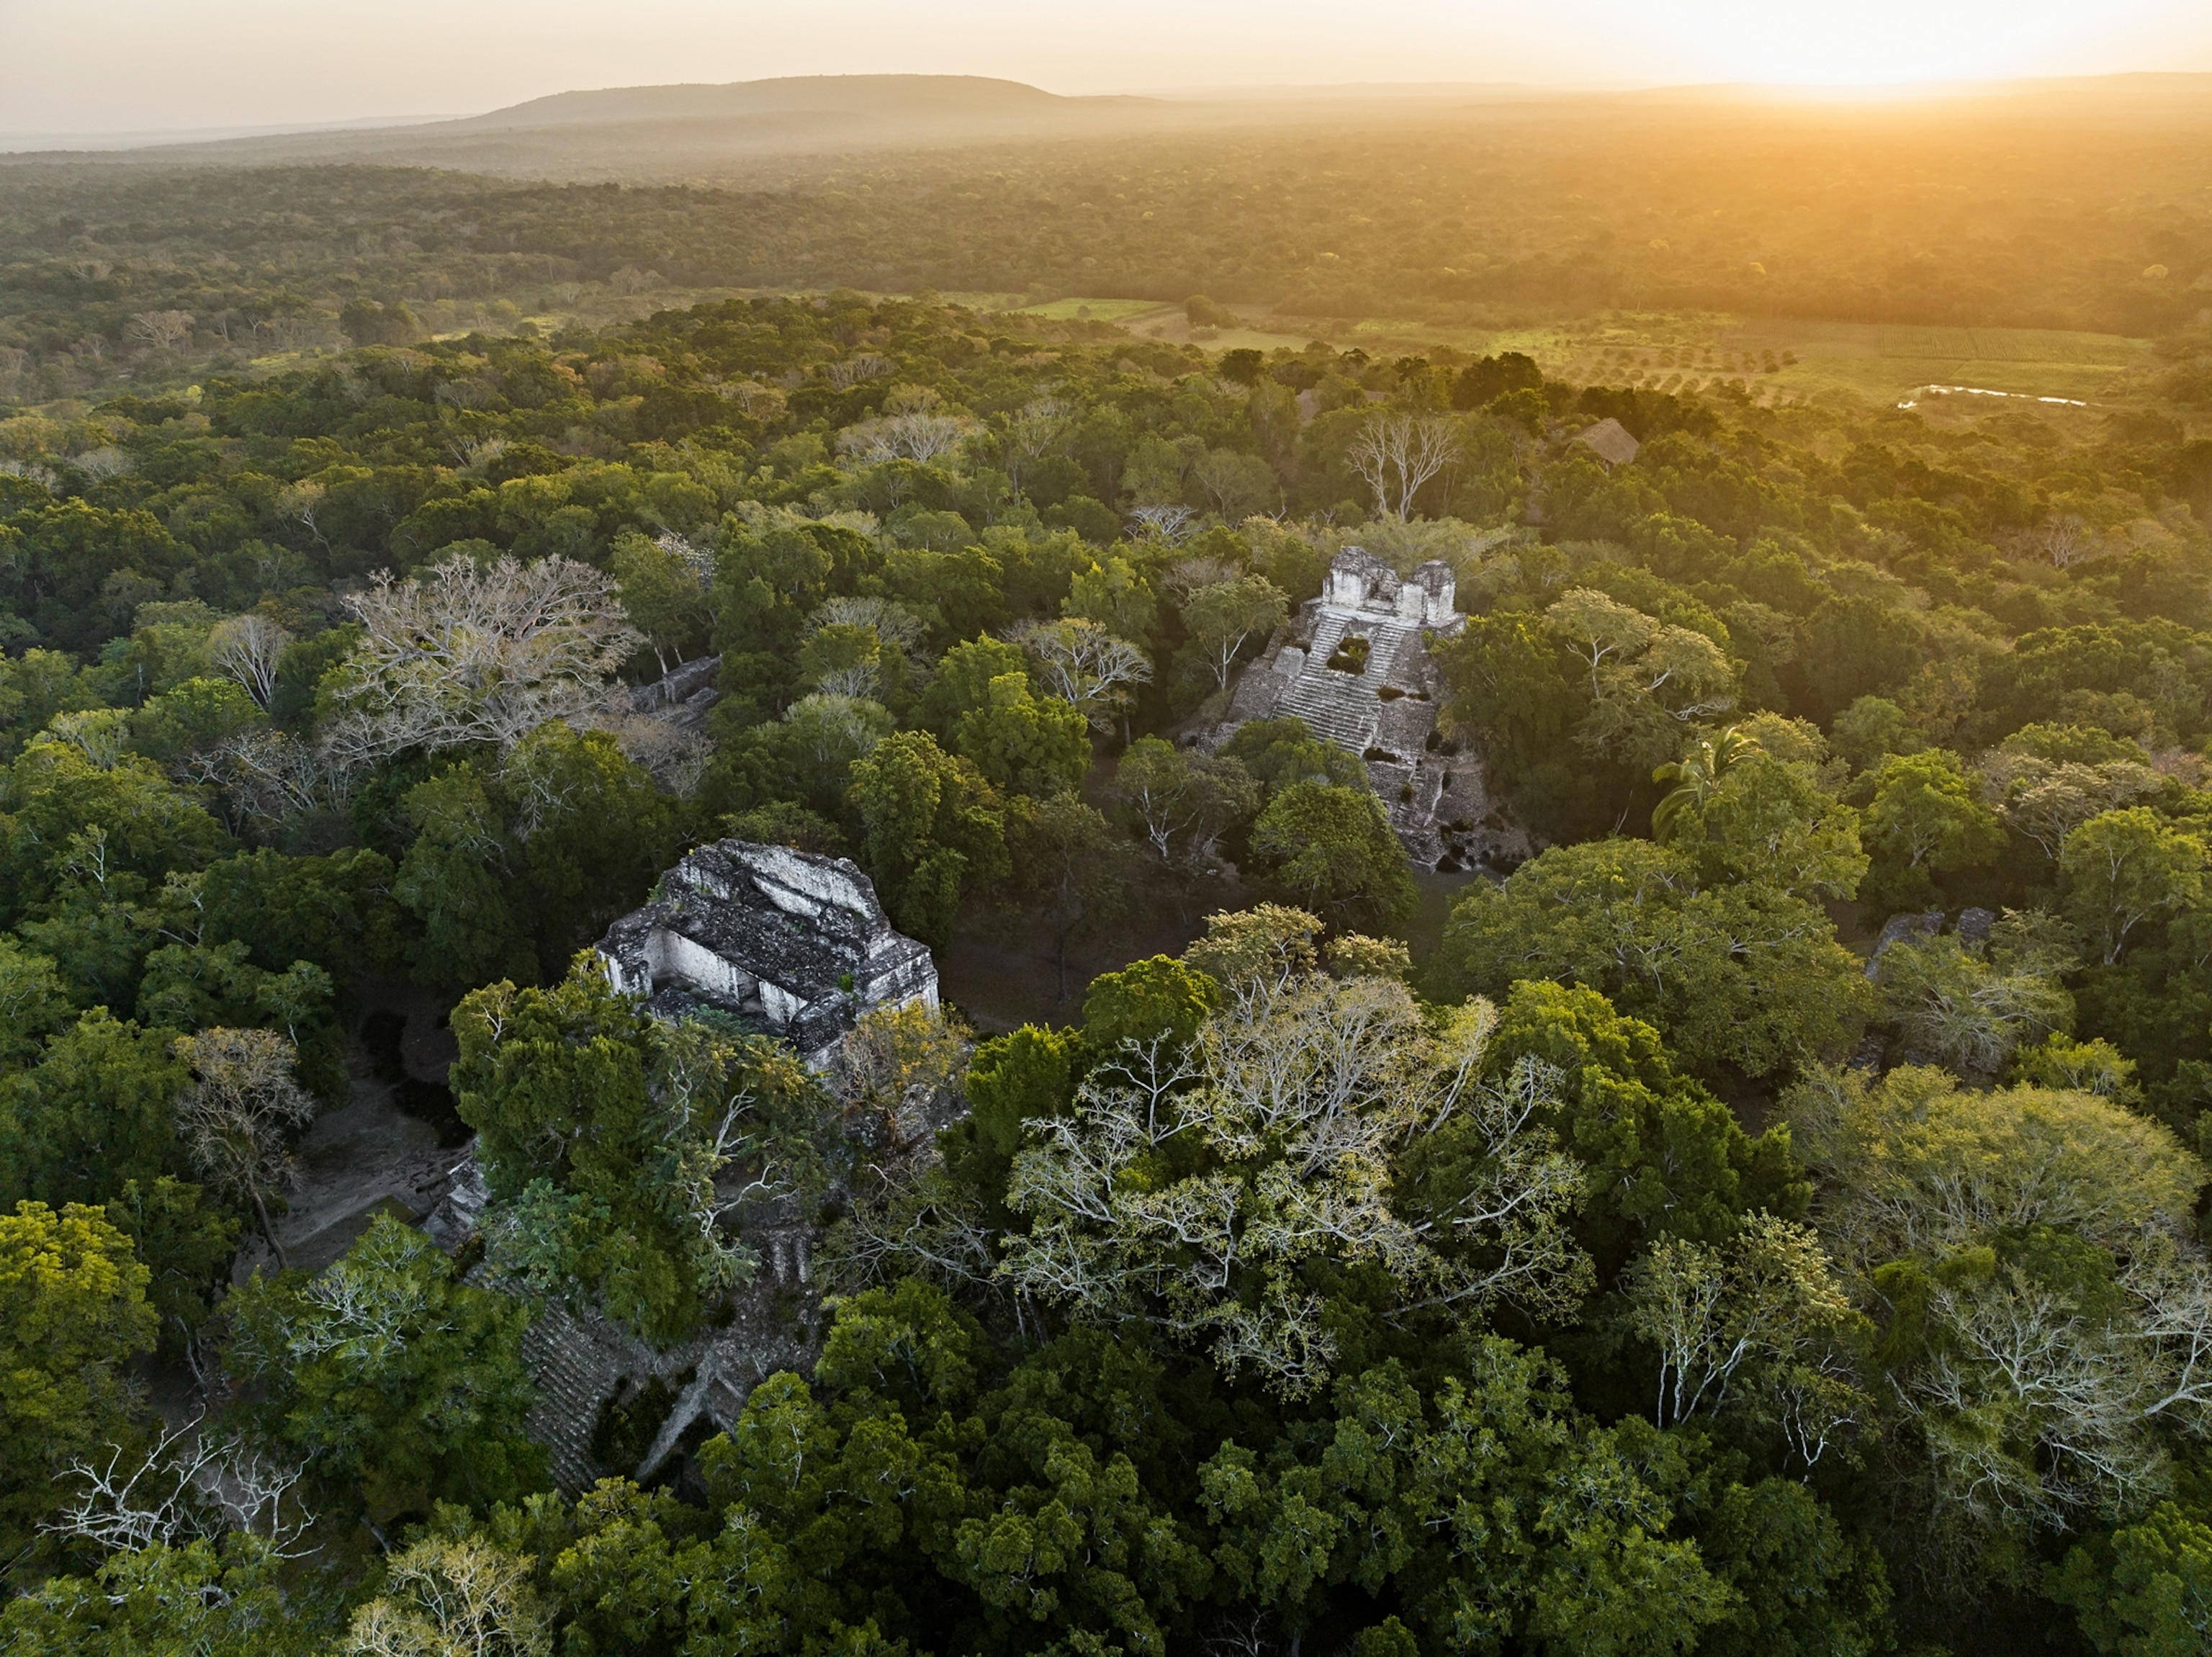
1610,441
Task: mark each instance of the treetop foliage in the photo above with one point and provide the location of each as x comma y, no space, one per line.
1669,1257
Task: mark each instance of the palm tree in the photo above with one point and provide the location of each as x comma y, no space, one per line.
1696,775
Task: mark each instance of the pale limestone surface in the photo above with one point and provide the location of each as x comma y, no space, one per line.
791,943
1386,711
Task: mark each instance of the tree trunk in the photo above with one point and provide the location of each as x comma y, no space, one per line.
268,1231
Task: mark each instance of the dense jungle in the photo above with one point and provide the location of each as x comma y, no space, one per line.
1766,1217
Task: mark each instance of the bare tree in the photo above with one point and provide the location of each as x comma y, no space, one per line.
1081,663
268,776
1395,454
766,402
2173,1292
462,654
1165,523
894,623
868,365
1762,1313
676,757
1163,792
42,476
1030,431
1222,617
237,1116
2030,1408
248,648
102,735
927,1225
1186,576
161,331
2046,800
105,462
1299,1093
919,436
2065,539
473,452
300,504
188,1482
1949,999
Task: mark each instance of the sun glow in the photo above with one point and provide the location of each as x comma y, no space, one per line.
1888,42
114,65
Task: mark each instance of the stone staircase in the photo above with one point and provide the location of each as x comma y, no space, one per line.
1385,640
579,1360
1341,707
573,1371
1328,633
1337,707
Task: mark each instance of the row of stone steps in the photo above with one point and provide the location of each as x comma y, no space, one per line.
572,1375
1328,633
1342,708
1385,640
1337,707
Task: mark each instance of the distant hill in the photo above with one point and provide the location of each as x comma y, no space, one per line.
706,131
960,98
749,133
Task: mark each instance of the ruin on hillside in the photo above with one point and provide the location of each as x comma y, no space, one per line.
788,944
1354,664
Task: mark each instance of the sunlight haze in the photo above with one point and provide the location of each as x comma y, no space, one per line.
135,65
1198,828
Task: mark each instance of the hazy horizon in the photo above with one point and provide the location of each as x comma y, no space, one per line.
130,67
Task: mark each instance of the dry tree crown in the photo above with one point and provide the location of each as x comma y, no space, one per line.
468,654
236,1117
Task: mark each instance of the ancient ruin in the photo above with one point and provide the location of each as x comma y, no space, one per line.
1354,664
793,944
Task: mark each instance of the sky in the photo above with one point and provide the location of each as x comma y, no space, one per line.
108,66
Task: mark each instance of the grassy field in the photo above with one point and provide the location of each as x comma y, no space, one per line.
1096,310
1776,357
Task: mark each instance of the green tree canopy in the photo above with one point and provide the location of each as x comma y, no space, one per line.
1743,976
602,1133
398,1382
1927,819
73,1314
932,827
1331,850
2125,869
93,1114
1024,743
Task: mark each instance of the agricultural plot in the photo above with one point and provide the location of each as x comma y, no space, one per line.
1773,357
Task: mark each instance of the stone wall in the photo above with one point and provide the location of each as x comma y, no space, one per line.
1386,711
795,944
